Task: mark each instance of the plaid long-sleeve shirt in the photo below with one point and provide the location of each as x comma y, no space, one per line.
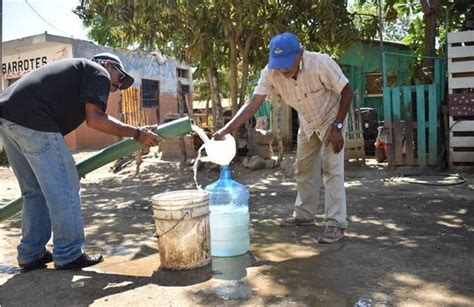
315,95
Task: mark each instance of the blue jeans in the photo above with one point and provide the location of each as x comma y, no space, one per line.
49,184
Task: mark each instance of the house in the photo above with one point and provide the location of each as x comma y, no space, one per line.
160,81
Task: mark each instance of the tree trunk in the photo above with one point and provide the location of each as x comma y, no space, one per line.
207,112
233,75
216,98
245,69
430,9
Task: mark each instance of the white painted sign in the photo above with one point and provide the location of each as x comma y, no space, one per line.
15,66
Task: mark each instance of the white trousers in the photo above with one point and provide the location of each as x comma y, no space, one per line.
314,158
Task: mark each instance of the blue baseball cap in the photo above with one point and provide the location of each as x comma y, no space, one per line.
283,50
103,57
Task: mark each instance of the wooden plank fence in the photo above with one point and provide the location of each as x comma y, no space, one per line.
414,137
132,111
461,98
411,119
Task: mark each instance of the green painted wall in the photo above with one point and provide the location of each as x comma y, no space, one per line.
364,58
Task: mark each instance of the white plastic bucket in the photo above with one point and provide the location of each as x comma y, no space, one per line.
182,224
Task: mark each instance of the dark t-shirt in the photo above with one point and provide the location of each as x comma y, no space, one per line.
52,98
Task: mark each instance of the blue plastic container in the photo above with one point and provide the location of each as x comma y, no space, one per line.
229,220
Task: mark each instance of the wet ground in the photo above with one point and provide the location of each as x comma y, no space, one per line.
410,242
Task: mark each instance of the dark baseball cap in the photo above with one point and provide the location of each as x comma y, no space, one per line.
103,57
283,50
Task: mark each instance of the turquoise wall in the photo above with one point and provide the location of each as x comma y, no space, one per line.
365,57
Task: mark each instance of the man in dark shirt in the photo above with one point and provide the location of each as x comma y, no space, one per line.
35,113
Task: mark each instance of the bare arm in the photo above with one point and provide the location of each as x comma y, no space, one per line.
334,135
346,99
97,119
243,115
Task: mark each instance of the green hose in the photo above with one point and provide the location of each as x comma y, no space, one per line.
169,130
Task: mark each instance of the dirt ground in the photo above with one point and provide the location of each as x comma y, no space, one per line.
410,242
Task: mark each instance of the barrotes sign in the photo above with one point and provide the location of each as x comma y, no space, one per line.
15,66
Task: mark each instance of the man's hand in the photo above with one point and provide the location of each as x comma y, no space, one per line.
219,135
150,127
335,137
148,138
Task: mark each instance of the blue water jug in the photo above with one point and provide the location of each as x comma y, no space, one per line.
229,220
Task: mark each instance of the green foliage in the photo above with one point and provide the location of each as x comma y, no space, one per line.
230,36
412,11
366,19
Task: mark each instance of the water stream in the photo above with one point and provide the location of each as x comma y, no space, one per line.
205,139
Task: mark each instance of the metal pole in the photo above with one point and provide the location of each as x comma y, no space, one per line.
381,26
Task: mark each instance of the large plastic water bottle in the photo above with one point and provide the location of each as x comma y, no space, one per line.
229,220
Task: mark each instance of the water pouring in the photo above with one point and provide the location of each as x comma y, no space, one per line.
220,152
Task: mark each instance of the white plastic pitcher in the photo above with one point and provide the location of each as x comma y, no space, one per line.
221,152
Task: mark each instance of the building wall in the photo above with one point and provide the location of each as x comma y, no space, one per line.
146,66
168,106
41,49
364,58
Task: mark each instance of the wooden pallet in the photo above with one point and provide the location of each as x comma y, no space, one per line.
354,137
354,149
461,98
461,142
132,111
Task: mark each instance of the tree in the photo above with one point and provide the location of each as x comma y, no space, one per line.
422,24
222,38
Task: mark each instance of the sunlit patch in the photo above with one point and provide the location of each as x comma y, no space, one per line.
407,243
461,211
357,236
451,225
118,285
354,183
393,226
418,292
448,216
407,279
435,201
284,251
79,277
135,265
